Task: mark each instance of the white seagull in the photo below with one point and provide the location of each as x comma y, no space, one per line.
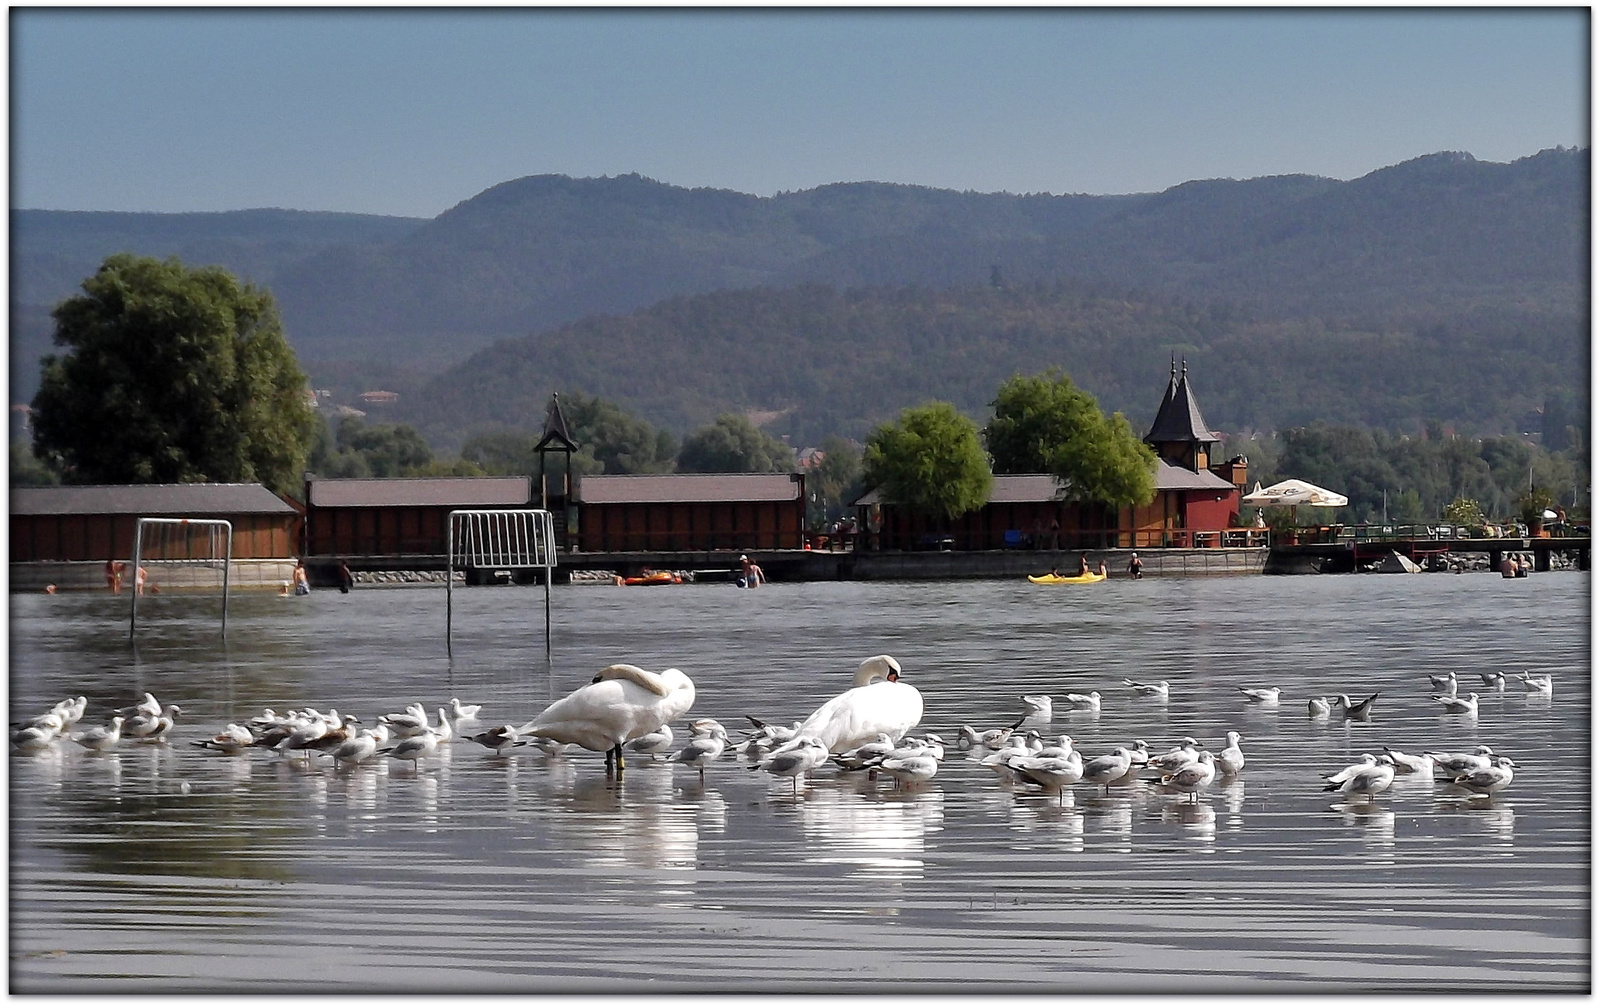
1090,701
1454,764
1192,777
1230,761
1537,683
233,739
1318,706
652,743
1159,689
459,712
1358,710
1108,768
1489,780
621,703
1369,780
1265,696
702,750
1445,683
101,738
807,754
1039,711
1456,704
1406,764
1495,680
916,768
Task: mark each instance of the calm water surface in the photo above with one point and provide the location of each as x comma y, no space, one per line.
167,867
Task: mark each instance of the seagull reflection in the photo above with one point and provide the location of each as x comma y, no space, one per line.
878,836
1198,820
1109,815
1498,820
1058,818
1233,798
1375,821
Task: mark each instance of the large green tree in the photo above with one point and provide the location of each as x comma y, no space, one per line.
734,444
930,460
621,444
1045,423
171,374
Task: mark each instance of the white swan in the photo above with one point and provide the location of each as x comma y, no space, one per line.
878,703
621,703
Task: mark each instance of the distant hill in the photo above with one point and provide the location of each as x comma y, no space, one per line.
836,361
1440,244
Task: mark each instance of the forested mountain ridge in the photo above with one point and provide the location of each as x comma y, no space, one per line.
1440,260
841,361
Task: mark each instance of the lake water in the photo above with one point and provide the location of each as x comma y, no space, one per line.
168,867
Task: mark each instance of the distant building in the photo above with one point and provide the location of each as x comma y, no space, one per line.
680,513
379,397
391,517
89,523
1195,501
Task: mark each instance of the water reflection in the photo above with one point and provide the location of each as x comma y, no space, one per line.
880,835
571,861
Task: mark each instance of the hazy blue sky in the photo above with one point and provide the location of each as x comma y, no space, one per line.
410,112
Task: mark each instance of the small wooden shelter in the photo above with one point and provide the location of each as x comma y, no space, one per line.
682,513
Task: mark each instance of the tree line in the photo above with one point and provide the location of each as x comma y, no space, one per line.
170,374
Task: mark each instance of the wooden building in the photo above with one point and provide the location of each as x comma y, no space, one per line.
690,513
398,517
1196,502
96,523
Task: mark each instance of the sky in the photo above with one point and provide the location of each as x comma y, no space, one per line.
409,112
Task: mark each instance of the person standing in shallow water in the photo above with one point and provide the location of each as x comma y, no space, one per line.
347,579
302,583
1135,567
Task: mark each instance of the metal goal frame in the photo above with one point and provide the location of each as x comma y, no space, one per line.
499,539
226,527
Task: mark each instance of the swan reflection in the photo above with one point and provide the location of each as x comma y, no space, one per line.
879,835
626,824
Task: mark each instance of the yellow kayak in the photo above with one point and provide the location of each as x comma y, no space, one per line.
1056,578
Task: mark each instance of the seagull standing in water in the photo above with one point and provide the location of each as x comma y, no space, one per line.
1369,780
1192,777
807,754
101,738
703,749
652,743
1489,780
1406,764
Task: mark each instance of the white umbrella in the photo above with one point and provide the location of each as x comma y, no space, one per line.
1293,492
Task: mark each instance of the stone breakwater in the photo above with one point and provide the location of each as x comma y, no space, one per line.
382,577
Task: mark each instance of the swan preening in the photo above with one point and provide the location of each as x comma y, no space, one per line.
878,702
622,703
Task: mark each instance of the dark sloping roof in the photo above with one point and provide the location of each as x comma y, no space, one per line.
1179,418
190,499
1045,488
555,427
1171,477
497,491
688,488
1007,489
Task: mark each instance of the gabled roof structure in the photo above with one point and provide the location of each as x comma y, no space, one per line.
1179,420
481,491
555,428
188,499
690,488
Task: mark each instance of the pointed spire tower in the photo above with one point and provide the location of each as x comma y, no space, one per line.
1179,433
556,440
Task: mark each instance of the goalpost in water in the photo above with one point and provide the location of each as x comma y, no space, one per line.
196,553
499,540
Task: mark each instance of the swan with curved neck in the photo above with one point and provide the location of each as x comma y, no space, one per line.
621,703
877,703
